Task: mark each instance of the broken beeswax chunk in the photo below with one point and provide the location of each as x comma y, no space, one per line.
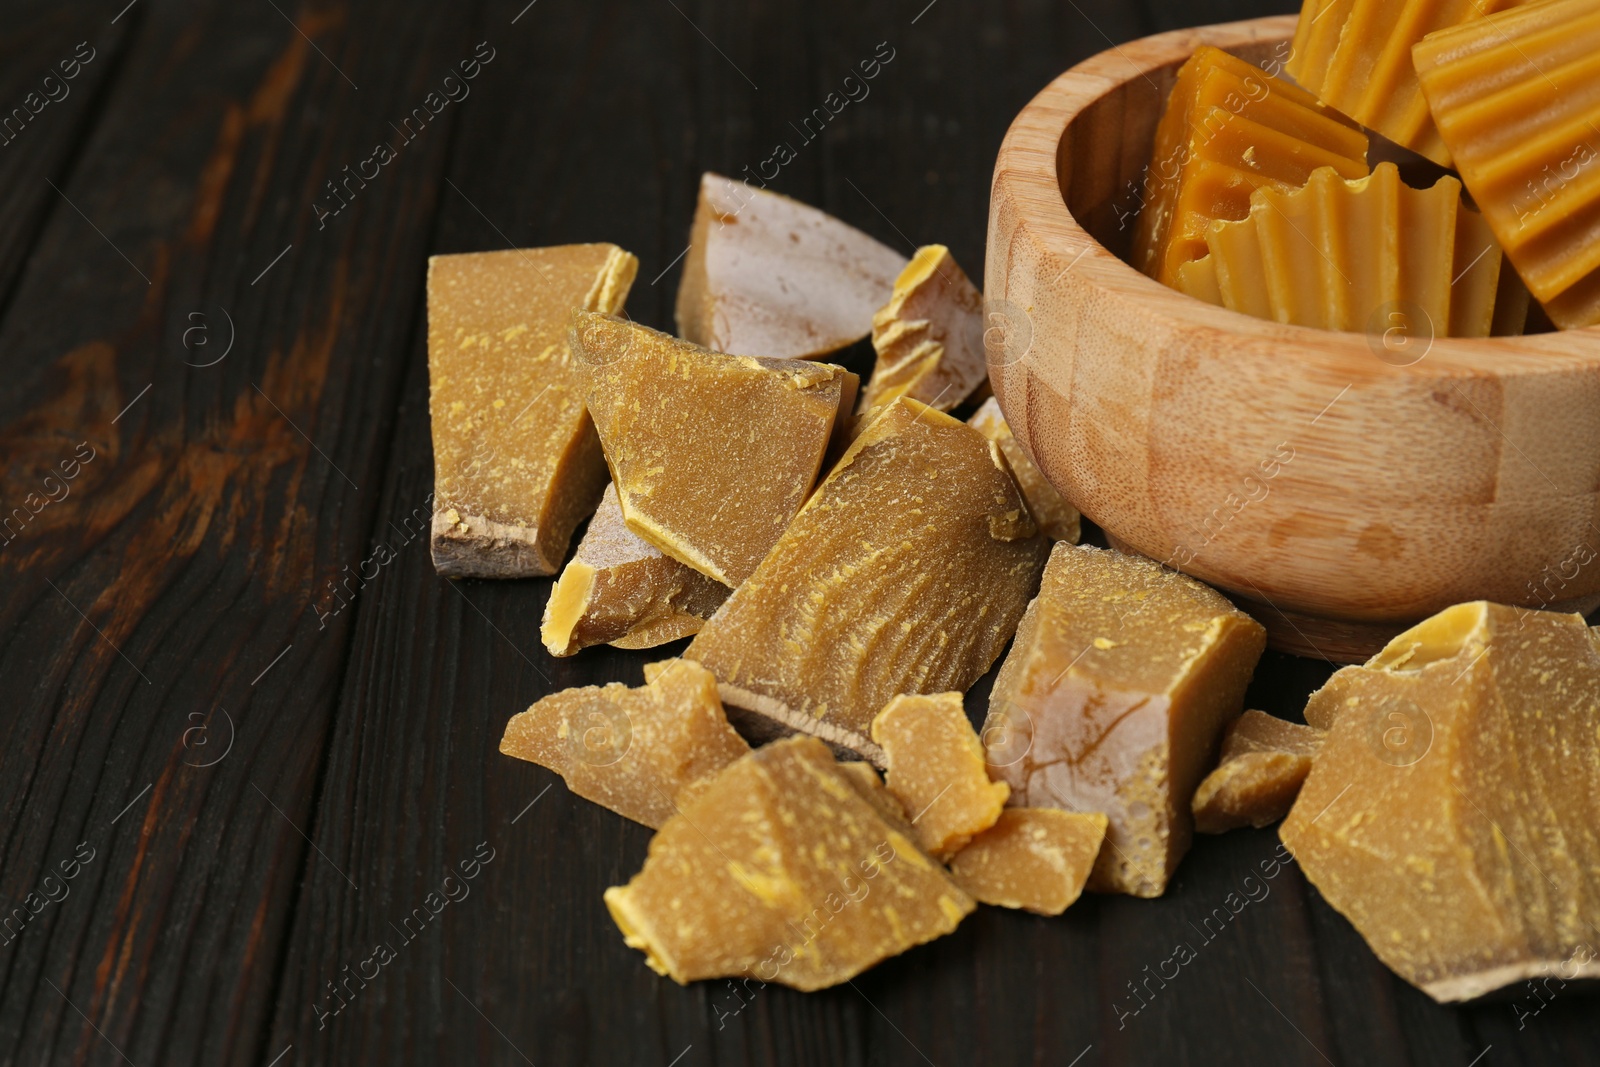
621,590
864,777
711,454
1230,128
906,572
515,459
770,276
781,872
1264,762
1363,256
1113,698
1057,519
640,752
1037,859
1515,96
1355,56
1452,813
936,770
929,336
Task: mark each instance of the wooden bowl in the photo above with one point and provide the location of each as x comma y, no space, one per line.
1342,486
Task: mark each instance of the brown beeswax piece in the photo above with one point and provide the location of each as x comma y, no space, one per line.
936,770
1037,859
929,336
1453,814
1057,519
516,462
906,572
1516,95
770,276
1265,760
1113,699
619,589
640,752
1229,129
712,454
781,871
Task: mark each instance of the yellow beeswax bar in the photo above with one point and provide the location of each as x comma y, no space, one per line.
1516,97
936,770
1231,128
1264,762
1368,255
1355,55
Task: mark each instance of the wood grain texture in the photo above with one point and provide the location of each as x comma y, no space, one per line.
203,538
1325,476
194,548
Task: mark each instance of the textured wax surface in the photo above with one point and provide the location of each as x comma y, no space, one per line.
936,770
929,336
1113,699
906,572
769,276
1229,129
781,871
1516,97
711,454
620,589
1037,859
1057,519
1451,815
516,467
639,752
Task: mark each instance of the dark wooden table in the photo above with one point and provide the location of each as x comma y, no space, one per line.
235,796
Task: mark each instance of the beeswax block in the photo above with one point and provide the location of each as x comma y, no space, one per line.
781,872
619,589
929,336
640,752
1265,760
1516,96
1355,55
770,276
1453,814
1058,519
515,459
1113,699
906,572
1368,255
712,454
1036,859
1231,128
936,770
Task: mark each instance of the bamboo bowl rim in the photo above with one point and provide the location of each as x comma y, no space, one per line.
1033,183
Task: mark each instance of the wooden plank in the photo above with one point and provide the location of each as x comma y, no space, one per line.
164,614
56,60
